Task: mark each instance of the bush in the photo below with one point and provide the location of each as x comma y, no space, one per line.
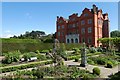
92,50
96,71
37,51
14,68
45,51
89,61
109,64
101,61
99,49
73,57
76,59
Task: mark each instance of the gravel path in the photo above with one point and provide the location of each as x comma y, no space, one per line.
105,72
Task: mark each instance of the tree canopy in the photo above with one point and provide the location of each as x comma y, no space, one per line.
115,33
30,35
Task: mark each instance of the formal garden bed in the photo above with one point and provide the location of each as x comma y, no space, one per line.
55,72
107,60
24,66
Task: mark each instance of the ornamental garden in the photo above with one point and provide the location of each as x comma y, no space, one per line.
31,58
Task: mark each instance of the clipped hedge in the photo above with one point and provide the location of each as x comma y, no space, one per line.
30,45
73,57
44,51
96,71
109,64
76,59
14,68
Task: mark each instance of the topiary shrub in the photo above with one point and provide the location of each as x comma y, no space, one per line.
101,61
92,50
89,61
76,59
96,71
109,64
99,49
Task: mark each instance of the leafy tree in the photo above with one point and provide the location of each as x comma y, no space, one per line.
112,41
115,33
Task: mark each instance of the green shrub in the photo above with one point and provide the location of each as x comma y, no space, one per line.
45,51
37,51
41,57
109,64
76,59
14,68
101,61
73,57
96,71
99,49
89,61
92,50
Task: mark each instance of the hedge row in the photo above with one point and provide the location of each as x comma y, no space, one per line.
14,68
12,40
73,57
28,47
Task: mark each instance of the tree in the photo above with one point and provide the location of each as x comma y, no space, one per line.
31,35
115,33
112,41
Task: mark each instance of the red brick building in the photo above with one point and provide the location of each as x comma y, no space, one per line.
88,27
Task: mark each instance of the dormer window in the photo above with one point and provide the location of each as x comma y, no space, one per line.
73,19
85,14
61,21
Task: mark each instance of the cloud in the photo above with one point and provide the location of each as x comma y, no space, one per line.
7,36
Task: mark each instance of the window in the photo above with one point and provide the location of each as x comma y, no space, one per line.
61,21
73,19
77,24
72,41
69,26
76,40
58,33
89,30
58,27
82,22
62,26
83,39
85,14
83,30
73,25
68,41
89,40
89,21
62,33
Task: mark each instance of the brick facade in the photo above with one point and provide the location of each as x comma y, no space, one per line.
88,27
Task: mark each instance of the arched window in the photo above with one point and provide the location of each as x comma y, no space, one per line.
72,41
68,41
76,40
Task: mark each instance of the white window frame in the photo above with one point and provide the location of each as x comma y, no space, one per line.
90,30
89,21
83,22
